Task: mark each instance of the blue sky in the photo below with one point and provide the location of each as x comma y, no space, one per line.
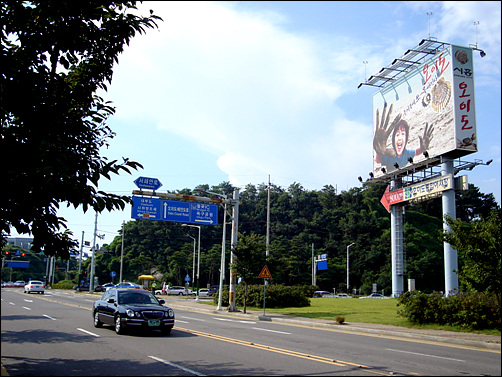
238,91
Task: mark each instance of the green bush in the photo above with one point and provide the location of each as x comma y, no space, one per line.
277,296
63,286
468,310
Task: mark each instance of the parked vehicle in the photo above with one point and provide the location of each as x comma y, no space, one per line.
342,295
374,295
19,283
179,291
204,292
321,293
127,284
34,286
104,287
126,308
213,289
81,287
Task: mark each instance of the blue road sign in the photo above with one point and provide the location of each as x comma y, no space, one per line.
187,278
322,265
113,274
148,183
144,208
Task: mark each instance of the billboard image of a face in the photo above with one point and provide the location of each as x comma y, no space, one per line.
430,109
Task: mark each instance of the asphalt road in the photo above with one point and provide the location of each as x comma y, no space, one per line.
53,334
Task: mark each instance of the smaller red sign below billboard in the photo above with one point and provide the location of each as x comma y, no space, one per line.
391,197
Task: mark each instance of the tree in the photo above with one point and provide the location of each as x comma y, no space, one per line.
249,259
56,55
479,245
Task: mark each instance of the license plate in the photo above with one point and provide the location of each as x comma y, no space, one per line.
153,323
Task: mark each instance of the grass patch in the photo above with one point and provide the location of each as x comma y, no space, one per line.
356,310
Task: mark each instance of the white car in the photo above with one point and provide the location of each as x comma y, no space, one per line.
204,292
179,291
34,286
374,295
343,295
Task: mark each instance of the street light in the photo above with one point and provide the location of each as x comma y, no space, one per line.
193,264
222,261
348,266
198,259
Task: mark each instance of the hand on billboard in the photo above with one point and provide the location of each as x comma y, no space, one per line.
426,139
383,130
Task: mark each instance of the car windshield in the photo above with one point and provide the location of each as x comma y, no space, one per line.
136,298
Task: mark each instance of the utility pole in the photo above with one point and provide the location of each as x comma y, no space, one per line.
267,242
91,283
122,252
233,275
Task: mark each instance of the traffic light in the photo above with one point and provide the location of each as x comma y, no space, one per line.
7,253
23,254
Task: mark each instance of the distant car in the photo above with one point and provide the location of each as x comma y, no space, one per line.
204,292
81,287
179,291
34,286
321,293
127,284
104,287
374,295
19,283
126,308
213,289
342,295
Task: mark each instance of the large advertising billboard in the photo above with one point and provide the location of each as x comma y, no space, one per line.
428,113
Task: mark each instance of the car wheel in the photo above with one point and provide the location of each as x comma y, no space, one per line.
97,322
118,325
42,293
180,294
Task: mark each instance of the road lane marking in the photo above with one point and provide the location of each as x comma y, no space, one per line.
424,354
48,316
28,300
176,366
279,332
193,319
234,320
88,332
25,307
287,352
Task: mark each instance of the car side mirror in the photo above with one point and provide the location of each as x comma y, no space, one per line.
111,300
162,302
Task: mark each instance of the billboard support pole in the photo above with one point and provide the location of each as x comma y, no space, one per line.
450,254
397,252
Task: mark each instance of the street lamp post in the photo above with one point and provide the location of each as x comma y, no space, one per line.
193,264
223,244
348,266
198,259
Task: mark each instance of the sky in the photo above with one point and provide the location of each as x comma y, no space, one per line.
240,91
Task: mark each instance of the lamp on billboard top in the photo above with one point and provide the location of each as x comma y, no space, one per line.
427,113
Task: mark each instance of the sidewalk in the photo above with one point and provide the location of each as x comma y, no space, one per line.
482,341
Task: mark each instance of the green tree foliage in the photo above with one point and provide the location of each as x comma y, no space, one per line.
479,246
249,260
55,56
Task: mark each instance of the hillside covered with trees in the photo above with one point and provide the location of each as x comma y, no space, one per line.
299,218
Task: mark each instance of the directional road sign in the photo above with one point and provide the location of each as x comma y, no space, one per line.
145,208
148,183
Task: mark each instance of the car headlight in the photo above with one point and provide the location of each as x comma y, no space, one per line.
169,313
130,313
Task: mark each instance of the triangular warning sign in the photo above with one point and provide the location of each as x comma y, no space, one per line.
265,273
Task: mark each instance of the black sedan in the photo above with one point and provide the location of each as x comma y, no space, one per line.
126,308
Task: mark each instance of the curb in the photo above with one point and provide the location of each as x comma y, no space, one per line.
347,328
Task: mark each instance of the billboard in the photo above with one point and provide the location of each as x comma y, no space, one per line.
430,109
